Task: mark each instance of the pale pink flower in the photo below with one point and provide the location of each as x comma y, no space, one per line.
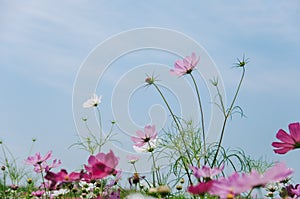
152,144
38,159
237,184
38,193
288,141
45,167
206,171
231,186
92,102
276,173
185,66
132,158
145,137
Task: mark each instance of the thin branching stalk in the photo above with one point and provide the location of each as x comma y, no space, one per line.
4,184
202,116
227,114
180,131
100,126
43,180
154,165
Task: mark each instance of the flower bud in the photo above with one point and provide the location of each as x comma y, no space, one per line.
149,80
179,187
181,181
29,181
14,187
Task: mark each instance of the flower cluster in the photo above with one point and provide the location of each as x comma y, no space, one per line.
40,163
236,183
196,169
92,181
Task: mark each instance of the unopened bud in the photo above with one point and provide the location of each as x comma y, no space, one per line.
179,187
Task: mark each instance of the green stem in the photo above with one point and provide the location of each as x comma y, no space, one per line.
43,179
180,131
4,184
154,166
202,116
100,126
7,165
221,101
135,170
227,116
31,147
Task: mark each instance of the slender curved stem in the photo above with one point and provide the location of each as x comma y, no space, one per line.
228,113
202,116
180,131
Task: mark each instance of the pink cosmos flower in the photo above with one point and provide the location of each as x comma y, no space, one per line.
231,186
206,171
117,178
237,184
288,141
277,173
132,158
63,176
201,188
38,193
145,137
296,191
102,165
37,159
185,66
44,166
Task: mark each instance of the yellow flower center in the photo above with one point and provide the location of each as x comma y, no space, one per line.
230,196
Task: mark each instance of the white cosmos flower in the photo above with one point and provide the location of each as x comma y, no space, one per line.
138,196
87,186
92,102
59,192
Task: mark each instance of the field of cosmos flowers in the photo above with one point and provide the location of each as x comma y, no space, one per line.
197,169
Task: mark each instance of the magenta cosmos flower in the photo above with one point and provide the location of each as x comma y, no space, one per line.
200,188
145,137
185,66
63,176
102,165
288,141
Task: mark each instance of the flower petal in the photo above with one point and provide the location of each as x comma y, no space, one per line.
295,131
284,137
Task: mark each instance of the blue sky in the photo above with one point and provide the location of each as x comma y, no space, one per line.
44,43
